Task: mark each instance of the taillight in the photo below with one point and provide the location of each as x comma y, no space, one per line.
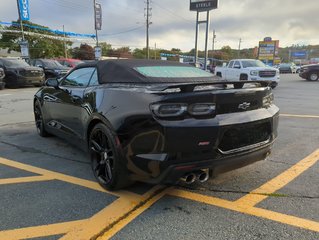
179,109
169,109
268,100
201,109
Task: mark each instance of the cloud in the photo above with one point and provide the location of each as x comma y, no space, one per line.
173,25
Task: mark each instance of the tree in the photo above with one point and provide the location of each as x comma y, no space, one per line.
39,46
139,53
84,52
106,48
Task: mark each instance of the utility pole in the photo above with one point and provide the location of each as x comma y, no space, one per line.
155,51
213,47
65,48
239,47
148,15
21,24
97,38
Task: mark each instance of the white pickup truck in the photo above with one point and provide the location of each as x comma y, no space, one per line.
248,70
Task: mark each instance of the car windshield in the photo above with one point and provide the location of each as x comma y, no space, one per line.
172,72
52,64
15,63
253,63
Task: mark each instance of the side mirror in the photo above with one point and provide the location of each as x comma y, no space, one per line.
40,66
52,82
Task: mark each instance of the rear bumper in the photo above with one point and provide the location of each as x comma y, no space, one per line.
166,152
217,166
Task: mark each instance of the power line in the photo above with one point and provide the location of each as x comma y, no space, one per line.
126,31
172,13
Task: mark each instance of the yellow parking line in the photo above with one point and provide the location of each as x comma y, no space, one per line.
299,116
25,180
57,176
115,214
121,224
258,212
261,193
39,231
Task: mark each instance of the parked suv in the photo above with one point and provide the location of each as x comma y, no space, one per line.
310,72
2,84
52,68
19,73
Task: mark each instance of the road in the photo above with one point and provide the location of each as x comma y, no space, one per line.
48,190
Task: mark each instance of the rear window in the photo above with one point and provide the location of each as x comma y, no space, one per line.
172,72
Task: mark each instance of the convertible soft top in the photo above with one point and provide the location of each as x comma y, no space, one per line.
147,71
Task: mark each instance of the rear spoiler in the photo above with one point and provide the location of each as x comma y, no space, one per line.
189,87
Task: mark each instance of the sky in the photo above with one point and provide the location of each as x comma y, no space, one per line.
173,25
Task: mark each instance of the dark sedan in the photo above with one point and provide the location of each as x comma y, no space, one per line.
51,68
310,72
157,121
19,73
287,68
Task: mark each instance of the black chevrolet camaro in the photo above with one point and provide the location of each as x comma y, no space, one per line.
157,121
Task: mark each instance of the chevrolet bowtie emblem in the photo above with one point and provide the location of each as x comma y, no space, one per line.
244,106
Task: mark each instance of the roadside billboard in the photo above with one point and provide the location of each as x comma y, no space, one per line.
268,50
299,54
203,5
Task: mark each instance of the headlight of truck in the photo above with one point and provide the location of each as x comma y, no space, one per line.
254,73
268,100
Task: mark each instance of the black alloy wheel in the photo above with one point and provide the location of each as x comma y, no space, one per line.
105,161
38,117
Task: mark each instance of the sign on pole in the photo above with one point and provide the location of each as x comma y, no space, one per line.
24,8
98,52
98,16
203,5
24,45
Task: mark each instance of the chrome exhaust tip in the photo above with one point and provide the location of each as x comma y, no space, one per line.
189,178
203,175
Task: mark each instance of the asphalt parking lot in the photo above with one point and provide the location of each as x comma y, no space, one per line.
48,191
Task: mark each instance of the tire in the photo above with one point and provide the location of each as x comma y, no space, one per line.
38,117
2,86
106,162
219,74
313,76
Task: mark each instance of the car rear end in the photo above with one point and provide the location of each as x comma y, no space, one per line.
199,128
